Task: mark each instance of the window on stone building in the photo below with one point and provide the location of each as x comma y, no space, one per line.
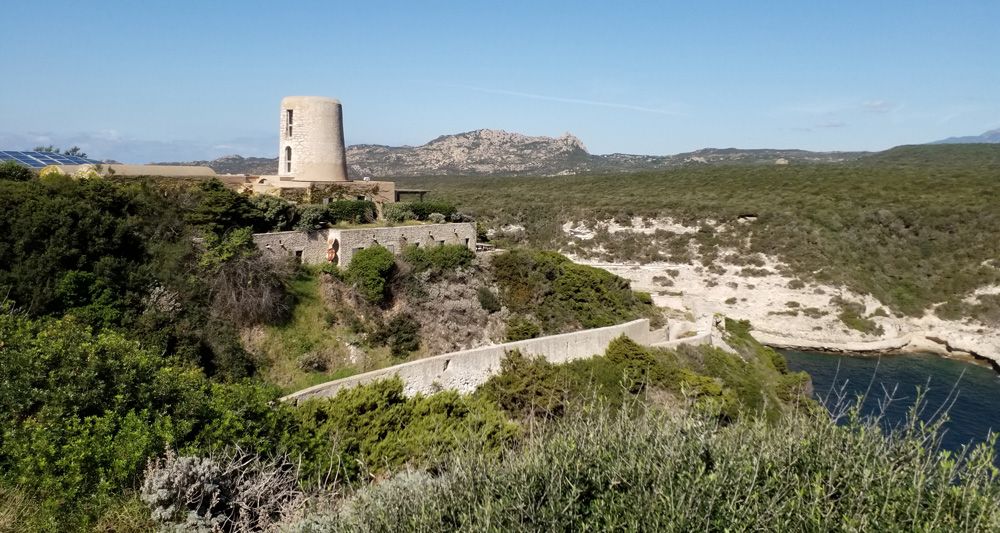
288,114
288,159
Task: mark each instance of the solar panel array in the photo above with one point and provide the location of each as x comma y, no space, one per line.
42,159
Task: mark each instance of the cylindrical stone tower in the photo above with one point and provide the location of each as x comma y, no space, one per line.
311,145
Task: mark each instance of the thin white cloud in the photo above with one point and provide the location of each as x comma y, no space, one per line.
832,124
566,100
878,106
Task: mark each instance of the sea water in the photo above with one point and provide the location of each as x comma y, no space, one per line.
969,392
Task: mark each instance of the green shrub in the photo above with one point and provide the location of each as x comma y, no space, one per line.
423,210
488,300
375,427
14,171
397,212
529,387
315,216
82,412
401,334
369,271
353,211
851,314
563,295
520,328
311,218
438,259
274,213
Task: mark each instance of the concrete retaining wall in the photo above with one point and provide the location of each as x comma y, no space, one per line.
466,370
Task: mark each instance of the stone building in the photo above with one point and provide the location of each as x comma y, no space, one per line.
338,245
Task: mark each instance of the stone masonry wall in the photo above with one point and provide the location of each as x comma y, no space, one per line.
311,246
466,370
398,237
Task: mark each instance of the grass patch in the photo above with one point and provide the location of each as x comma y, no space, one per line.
307,331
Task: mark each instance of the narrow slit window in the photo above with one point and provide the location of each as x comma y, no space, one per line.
288,159
288,120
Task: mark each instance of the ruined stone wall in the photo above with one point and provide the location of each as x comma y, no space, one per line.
398,237
311,246
466,370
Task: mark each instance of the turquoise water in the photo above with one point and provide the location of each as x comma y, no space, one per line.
972,390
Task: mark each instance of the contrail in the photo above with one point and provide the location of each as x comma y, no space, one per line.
582,101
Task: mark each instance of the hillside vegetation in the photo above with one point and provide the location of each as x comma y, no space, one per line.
132,399
913,226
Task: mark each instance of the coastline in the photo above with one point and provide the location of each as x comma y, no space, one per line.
913,343
789,314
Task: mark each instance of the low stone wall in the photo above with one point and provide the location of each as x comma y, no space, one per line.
466,370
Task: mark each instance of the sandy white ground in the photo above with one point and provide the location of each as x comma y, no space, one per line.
781,316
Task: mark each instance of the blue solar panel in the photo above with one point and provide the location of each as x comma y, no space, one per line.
42,159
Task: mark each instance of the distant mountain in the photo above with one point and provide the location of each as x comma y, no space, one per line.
235,164
992,136
496,152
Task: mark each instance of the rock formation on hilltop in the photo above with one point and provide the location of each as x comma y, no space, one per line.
499,153
480,152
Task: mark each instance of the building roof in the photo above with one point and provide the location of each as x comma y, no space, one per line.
43,159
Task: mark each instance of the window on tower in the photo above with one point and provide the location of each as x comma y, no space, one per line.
288,159
288,121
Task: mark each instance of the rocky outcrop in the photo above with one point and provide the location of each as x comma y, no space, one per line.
480,152
498,153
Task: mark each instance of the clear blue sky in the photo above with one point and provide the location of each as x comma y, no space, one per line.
142,81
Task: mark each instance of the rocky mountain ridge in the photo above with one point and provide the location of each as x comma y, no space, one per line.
488,152
992,136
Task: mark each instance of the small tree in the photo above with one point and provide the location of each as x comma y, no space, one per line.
370,271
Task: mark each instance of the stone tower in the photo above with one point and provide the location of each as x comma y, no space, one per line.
311,141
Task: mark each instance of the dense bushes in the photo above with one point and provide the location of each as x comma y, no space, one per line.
69,245
423,210
81,412
723,384
438,259
397,212
14,171
520,328
657,472
313,217
370,271
914,226
375,428
563,295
